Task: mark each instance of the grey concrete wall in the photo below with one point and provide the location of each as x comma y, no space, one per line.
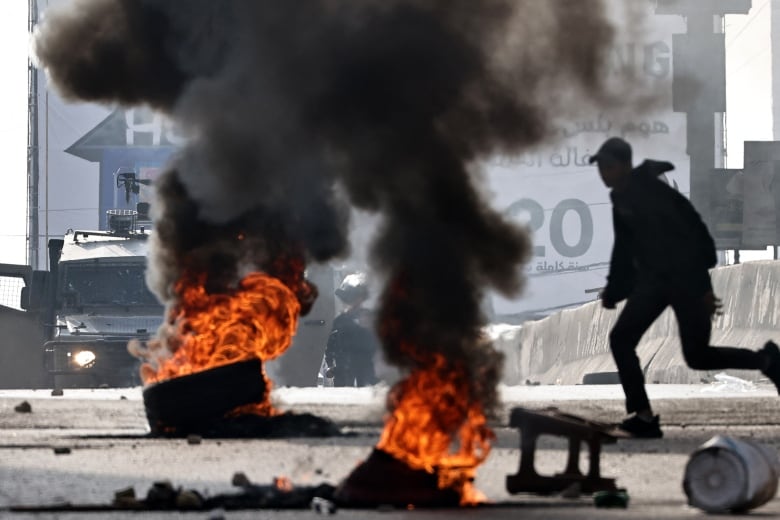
21,350
562,348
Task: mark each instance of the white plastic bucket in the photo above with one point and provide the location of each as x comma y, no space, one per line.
726,474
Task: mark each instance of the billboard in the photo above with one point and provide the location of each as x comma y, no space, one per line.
560,197
761,191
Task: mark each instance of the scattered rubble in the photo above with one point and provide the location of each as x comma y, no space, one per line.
126,499
217,514
323,506
614,499
240,479
23,407
189,499
163,496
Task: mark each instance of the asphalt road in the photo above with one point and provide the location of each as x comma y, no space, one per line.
104,435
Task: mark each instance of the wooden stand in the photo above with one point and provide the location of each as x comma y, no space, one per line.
577,430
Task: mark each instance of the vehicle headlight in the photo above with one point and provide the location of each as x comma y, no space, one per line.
83,358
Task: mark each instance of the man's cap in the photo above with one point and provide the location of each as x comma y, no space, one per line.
613,148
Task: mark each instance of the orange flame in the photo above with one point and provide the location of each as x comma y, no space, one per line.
436,426
283,484
256,320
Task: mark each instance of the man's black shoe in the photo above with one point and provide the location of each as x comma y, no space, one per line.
772,371
642,429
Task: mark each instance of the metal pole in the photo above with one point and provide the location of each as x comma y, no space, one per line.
48,267
33,151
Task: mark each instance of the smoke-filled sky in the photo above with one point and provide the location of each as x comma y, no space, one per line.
747,59
382,96
296,109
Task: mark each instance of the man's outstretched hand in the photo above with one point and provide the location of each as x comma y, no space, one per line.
713,304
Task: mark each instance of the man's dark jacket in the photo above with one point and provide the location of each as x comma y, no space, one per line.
659,237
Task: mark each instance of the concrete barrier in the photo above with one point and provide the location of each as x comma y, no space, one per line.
21,350
565,346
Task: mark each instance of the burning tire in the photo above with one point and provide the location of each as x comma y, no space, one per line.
190,403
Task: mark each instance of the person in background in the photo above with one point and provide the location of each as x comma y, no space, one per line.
661,257
352,343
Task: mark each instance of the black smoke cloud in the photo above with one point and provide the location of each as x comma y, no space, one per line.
394,101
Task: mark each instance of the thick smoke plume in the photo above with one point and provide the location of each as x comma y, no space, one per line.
392,102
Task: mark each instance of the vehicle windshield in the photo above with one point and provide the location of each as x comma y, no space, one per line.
106,284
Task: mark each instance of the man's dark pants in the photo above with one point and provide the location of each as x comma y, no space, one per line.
646,303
